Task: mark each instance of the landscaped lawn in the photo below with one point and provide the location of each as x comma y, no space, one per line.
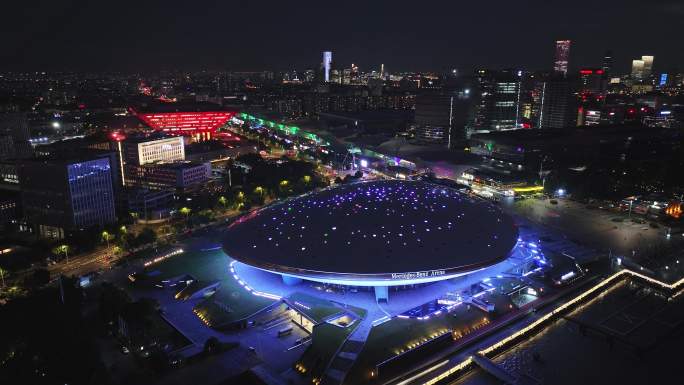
232,302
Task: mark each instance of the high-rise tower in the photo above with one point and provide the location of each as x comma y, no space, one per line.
560,65
327,62
648,65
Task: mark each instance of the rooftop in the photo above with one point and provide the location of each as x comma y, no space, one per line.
161,107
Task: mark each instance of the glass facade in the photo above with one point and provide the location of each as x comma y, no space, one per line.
91,193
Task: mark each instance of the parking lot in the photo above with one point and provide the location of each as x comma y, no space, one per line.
603,230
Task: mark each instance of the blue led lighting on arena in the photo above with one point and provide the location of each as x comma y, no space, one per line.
381,233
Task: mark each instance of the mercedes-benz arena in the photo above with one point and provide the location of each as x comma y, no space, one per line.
380,234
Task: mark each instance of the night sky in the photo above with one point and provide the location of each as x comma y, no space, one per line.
90,35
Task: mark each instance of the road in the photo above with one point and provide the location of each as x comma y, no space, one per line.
85,263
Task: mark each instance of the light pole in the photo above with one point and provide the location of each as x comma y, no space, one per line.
2,275
629,215
541,172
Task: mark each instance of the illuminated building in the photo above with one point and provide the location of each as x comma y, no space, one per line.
67,193
591,81
442,117
638,69
376,234
327,63
588,117
8,209
648,65
145,151
180,175
497,107
199,121
560,65
496,185
607,62
157,163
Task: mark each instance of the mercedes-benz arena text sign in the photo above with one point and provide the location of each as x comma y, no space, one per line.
383,233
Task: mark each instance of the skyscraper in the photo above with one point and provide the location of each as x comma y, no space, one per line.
327,63
607,62
497,107
591,81
648,65
560,65
441,117
558,105
638,69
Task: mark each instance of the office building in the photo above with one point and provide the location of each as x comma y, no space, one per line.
648,65
180,175
149,205
557,104
638,69
142,151
497,106
65,193
442,117
158,163
591,81
560,65
14,135
8,209
607,66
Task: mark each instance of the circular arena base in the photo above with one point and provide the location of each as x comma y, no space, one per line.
402,297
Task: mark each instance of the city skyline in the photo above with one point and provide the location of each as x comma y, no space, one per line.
96,37
380,193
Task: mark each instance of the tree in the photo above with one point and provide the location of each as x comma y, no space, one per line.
147,235
106,237
185,211
62,250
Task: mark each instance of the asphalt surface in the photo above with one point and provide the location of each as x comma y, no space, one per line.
608,232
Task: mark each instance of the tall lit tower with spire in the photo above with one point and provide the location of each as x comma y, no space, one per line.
560,65
327,62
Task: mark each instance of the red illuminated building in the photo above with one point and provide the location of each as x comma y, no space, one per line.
592,81
199,121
